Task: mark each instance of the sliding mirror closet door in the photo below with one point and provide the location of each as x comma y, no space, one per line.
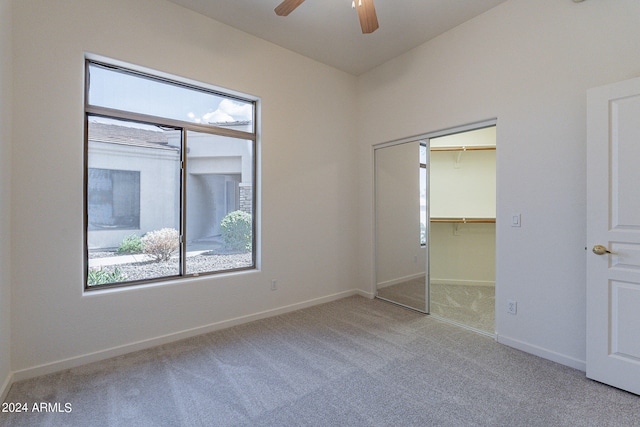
401,226
462,242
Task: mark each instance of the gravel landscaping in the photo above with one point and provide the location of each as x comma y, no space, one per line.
205,262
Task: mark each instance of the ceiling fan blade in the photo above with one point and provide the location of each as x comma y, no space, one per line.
287,6
367,15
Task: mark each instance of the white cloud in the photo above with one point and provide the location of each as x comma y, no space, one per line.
193,117
217,117
236,109
229,111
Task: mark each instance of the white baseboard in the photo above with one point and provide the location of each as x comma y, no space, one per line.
399,280
84,359
562,359
6,385
370,295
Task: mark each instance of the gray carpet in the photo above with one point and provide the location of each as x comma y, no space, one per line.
469,305
353,362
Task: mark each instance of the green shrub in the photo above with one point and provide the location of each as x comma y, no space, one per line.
101,276
161,244
236,231
131,245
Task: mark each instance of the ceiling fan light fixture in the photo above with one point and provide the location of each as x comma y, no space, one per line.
366,12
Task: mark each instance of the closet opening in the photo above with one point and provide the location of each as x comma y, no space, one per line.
435,224
462,227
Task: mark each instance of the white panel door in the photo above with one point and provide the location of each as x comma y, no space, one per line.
613,235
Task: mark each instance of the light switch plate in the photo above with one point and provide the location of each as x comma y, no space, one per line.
515,220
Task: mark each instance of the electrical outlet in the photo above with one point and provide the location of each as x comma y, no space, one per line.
512,307
274,285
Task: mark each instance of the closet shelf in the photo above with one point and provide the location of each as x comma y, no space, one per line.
472,148
465,220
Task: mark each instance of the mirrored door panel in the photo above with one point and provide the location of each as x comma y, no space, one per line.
401,225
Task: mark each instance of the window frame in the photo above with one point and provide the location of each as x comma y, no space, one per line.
184,127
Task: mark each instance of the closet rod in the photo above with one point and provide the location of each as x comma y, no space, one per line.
476,148
465,220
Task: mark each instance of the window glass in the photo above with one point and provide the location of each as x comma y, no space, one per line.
423,193
128,91
423,205
133,196
219,203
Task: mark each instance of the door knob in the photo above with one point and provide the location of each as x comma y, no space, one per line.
601,250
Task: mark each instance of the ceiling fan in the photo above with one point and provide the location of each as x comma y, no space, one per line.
366,12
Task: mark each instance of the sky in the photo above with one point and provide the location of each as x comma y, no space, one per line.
114,89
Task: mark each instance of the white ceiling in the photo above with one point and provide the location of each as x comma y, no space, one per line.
329,31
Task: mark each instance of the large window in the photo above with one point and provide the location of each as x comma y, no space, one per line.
170,179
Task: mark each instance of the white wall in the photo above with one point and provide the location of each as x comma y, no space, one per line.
462,184
462,254
5,179
308,227
528,64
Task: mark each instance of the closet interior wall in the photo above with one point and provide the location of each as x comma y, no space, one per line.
462,243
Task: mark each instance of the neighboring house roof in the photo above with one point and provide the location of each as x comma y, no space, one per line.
125,135
231,124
